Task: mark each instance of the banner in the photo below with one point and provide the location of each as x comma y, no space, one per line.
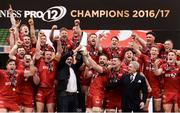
117,14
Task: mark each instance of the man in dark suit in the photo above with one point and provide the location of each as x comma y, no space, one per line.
68,86
134,93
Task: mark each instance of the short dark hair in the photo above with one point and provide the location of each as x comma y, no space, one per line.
28,54
104,55
26,36
172,52
92,34
10,60
128,49
119,58
115,37
20,46
151,33
49,48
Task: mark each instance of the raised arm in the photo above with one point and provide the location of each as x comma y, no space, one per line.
32,31
38,47
85,59
94,65
77,25
51,35
11,37
13,52
98,45
100,49
59,50
12,18
139,39
14,33
136,48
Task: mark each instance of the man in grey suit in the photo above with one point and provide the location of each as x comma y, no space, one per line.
134,93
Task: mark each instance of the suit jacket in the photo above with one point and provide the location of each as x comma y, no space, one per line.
63,74
131,97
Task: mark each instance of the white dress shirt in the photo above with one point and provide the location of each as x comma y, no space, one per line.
134,76
72,84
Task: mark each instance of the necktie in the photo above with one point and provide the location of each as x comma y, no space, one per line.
131,77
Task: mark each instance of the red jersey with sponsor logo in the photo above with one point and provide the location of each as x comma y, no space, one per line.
117,74
114,52
25,85
171,77
146,50
45,47
126,62
98,82
30,50
113,97
7,87
66,45
93,52
19,63
148,70
46,72
163,54
75,42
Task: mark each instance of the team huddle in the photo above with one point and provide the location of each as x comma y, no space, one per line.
66,77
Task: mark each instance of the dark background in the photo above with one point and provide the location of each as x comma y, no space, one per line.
170,23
